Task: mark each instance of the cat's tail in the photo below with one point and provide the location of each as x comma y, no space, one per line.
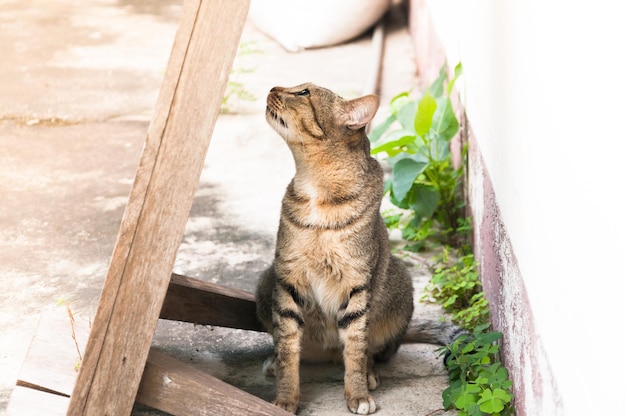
427,331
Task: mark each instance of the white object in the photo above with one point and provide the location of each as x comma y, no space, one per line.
303,24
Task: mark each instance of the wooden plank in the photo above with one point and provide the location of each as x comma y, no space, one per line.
49,372
50,363
158,207
174,387
26,401
204,303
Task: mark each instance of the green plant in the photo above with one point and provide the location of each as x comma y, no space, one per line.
235,90
456,285
424,182
479,384
427,188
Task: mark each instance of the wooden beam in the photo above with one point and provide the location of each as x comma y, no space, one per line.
158,207
174,387
204,303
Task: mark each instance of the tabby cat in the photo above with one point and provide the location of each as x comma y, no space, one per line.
334,291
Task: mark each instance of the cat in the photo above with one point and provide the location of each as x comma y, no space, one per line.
334,291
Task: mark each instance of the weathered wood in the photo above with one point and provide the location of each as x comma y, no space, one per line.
177,388
204,303
158,207
48,372
50,363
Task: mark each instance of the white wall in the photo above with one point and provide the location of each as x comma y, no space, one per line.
545,93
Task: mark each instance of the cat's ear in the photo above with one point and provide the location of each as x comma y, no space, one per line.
360,111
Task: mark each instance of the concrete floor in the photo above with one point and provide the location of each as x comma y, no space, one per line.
79,81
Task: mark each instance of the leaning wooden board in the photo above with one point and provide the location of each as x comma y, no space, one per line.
118,366
158,207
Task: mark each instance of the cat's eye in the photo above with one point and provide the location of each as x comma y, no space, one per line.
304,92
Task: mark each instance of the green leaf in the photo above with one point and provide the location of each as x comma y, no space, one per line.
493,401
436,88
451,393
502,373
403,175
450,301
418,157
464,401
502,395
467,396
489,337
474,410
440,149
468,348
458,71
406,116
399,101
445,123
479,330
396,140
494,349
392,221
425,200
402,204
424,115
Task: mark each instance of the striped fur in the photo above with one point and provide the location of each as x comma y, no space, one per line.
333,290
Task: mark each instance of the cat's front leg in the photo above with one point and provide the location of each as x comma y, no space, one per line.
353,327
288,329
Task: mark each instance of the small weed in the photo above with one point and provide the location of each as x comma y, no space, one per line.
235,90
70,314
456,285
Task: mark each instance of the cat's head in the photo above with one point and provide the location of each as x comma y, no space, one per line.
310,114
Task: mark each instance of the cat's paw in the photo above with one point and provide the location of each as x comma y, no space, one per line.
289,405
269,366
362,405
